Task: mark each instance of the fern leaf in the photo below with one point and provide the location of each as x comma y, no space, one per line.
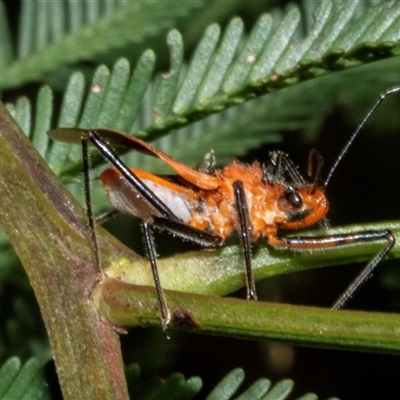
274,49
280,391
22,113
69,115
208,86
24,383
239,72
221,61
256,391
132,102
197,69
168,82
277,63
57,33
175,387
114,93
5,43
228,386
43,116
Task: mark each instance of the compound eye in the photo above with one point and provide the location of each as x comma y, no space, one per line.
294,199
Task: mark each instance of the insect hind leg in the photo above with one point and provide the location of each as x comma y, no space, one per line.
369,268
323,242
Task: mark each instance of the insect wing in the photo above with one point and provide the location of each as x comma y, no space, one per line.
197,178
125,198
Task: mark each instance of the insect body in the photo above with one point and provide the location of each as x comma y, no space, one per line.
207,208
210,203
206,205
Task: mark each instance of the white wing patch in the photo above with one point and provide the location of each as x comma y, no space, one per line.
177,202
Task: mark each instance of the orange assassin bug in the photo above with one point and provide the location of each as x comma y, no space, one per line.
206,205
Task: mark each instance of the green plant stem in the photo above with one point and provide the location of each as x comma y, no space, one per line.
48,231
221,271
128,305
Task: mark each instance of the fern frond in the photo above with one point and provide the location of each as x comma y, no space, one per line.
53,34
222,73
219,76
175,387
20,383
5,42
281,390
256,390
228,387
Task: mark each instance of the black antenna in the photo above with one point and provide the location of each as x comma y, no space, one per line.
393,89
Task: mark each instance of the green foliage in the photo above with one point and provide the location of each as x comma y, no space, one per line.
176,387
53,34
23,383
225,70
201,102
